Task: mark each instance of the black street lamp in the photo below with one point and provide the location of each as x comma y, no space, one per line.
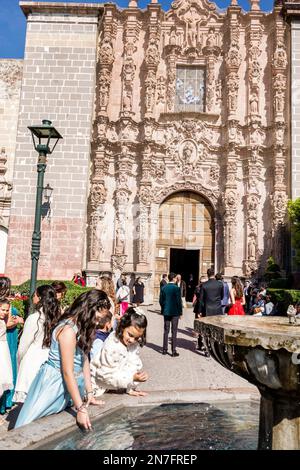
45,138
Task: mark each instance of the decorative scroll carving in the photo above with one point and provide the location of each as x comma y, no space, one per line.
211,195
105,63
118,262
11,77
161,90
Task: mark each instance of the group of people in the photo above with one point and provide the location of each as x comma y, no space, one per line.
68,357
126,293
212,296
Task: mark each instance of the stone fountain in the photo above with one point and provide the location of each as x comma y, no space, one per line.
266,352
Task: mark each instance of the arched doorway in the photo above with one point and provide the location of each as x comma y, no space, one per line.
3,244
186,237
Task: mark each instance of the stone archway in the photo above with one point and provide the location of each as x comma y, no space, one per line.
185,236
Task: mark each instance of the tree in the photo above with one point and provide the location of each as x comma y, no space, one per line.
294,216
272,270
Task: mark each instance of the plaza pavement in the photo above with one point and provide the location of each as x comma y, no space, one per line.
191,370
191,377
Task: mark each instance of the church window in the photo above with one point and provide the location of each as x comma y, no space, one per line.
190,89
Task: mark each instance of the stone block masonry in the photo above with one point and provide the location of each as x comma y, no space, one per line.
295,99
58,84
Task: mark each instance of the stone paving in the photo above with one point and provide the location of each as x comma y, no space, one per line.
191,377
191,370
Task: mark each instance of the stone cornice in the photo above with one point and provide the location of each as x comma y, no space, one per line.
291,9
94,9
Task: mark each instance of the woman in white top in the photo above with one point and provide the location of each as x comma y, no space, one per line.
35,340
123,297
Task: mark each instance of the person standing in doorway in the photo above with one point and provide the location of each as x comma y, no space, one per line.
211,295
182,286
171,306
190,288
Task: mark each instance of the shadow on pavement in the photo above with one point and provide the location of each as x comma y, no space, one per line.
187,331
153,346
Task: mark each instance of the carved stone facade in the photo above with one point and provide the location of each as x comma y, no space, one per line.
190,100
234,152
10,88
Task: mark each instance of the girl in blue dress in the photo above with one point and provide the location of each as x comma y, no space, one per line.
6,401
65,378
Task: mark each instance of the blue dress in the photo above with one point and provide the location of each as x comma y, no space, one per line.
48,393
6,400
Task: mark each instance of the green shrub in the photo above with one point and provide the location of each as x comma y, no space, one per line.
19,305
73,291
284,297
281,283
294,216
272,270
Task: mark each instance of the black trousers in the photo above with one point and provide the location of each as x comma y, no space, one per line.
167,322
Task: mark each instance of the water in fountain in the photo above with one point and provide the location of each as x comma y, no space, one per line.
192,426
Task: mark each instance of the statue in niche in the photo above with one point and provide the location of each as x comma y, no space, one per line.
251,249
279,101
152,54
280,133
173,36
211,37
127,100
232,100
254,103
106,50
192,27
188,153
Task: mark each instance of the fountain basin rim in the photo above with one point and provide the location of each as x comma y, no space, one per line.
269,333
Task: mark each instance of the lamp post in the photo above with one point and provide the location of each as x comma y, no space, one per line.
42,136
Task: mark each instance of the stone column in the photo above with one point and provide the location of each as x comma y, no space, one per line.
131,36
232,64
97,199
252,198
211,52
230,206
279,197
152,57
105,59
122,194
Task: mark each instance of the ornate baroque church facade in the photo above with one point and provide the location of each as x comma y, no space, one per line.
188,161
197,104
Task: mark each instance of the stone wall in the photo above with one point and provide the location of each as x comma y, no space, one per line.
58,84
295,111
10,88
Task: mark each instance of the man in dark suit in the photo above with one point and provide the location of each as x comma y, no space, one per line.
163,282
171,307
212,292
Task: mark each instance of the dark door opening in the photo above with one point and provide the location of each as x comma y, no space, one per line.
186,263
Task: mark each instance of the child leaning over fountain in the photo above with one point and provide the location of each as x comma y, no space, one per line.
118,365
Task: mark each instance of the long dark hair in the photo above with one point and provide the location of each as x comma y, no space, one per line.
49,306
131,318
5,285
83,313
238,287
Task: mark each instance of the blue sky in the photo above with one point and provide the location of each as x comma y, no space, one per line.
13,22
